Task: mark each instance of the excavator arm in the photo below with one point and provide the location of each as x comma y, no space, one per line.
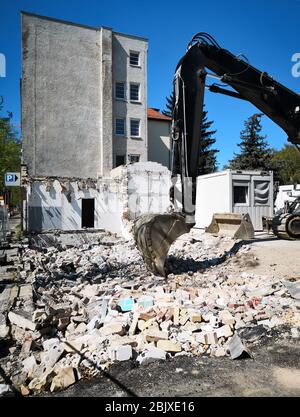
155,233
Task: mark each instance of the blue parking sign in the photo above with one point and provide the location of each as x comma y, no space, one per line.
12,179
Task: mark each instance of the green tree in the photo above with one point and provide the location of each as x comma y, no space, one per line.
287,161
207,157
10,150
169,106
255,152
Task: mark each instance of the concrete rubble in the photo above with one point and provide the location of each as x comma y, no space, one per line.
81,308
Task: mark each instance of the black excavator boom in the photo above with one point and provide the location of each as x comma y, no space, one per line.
155,233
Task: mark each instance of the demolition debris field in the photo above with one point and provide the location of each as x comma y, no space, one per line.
81,315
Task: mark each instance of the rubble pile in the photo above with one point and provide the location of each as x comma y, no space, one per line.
80,309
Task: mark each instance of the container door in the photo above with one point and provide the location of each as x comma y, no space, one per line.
262,197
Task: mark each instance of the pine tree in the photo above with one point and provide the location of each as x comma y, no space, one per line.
255,152
169,106
207,157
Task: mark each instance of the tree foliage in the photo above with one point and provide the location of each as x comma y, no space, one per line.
10,149
255,152
207,156
287,161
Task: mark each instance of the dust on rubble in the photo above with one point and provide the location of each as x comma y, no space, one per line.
79,308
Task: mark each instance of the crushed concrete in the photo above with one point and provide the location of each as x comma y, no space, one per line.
84,306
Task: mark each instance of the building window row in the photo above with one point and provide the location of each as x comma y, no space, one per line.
134,91
135,127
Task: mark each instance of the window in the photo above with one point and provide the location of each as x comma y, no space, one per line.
134,92
120,127
133,158
120,160
134,58
240,194
135,127
120,91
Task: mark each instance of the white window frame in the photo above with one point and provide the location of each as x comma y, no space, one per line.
138,100
139,58
124,85
139,134
124,125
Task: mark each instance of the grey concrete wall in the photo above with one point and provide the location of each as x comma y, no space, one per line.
124,72
159,142
68,109
61,98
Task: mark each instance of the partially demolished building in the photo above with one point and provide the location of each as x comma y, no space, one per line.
84,112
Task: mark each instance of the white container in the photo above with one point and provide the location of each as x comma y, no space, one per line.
235,192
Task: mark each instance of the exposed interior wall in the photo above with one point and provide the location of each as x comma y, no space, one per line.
159,142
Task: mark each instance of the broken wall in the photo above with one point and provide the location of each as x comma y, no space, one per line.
128,192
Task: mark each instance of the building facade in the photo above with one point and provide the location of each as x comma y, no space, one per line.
84,112
84,95
159,138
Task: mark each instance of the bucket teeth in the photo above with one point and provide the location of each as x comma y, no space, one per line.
154,234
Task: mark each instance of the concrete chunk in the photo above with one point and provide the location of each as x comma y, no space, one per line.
4,389
169,346
224,331
113,328
133,326
64,378
21,319
124,353
226,317
176,316
212,338
50,357
153,335
294,289
151,355
4,329
237,349
29,363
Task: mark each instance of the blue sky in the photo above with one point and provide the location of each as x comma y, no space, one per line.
266,31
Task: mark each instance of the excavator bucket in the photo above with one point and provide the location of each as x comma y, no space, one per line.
237,226
154,234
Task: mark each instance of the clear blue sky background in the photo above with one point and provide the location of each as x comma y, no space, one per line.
266,31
